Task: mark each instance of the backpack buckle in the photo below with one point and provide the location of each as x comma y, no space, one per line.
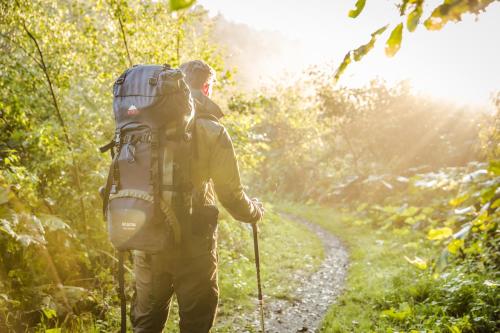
118,139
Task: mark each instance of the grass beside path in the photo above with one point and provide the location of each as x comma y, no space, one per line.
377,269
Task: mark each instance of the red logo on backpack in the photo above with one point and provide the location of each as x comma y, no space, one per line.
133,110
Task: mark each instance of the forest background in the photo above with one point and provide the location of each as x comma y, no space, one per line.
379,155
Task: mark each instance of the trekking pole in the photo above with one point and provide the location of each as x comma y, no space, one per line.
121,288
257,266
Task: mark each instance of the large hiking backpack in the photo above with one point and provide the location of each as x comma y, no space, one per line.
152,105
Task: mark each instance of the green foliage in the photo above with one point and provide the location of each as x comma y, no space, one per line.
453,11
59,60
490,134
360,5
426,262
414,18
361,51
394,42
358,53
180,4
402,280
411,12
309,139
399,162
347,60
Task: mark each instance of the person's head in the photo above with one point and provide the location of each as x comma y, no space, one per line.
199,75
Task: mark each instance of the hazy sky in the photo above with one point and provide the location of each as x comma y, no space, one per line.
460,62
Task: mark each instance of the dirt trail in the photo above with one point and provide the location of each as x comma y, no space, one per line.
316,292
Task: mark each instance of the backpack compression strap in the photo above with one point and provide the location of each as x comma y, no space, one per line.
155,171
113,180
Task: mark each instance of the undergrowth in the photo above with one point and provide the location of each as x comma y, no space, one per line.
424,261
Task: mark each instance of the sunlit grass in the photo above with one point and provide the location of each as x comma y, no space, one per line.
376,265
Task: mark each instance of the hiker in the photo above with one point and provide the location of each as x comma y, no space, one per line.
190,269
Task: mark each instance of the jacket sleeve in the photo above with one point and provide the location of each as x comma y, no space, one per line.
225,174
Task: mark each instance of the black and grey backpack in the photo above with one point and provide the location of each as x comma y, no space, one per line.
152,106
142,199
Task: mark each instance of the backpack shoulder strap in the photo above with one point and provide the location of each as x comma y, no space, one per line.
208,116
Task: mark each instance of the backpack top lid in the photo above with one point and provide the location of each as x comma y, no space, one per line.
151,95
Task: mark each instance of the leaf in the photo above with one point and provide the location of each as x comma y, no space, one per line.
410,211
5,227
360,4
180,4
403,313
487,194
494,167
439,233
340,70
489,283
4,195
53,223
414,18
49,313
455,202
379,30
437,20
453,11
417,262
361,51
393,44
495,204
27,240
455,245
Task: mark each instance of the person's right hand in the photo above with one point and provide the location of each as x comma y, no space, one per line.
259,206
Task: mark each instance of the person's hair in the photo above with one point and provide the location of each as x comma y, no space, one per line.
197,73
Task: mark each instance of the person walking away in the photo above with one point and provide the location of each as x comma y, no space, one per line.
189,270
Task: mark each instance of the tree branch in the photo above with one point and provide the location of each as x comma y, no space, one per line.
124,37
116,14
21,47
60,118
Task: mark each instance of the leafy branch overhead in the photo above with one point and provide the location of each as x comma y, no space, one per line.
360,52
410,12
360,5
180,4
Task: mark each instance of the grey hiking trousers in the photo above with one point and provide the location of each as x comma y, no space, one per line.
158,277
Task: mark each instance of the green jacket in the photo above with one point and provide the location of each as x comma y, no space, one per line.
214,166
213,174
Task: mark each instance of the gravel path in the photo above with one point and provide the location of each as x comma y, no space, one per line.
316,293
